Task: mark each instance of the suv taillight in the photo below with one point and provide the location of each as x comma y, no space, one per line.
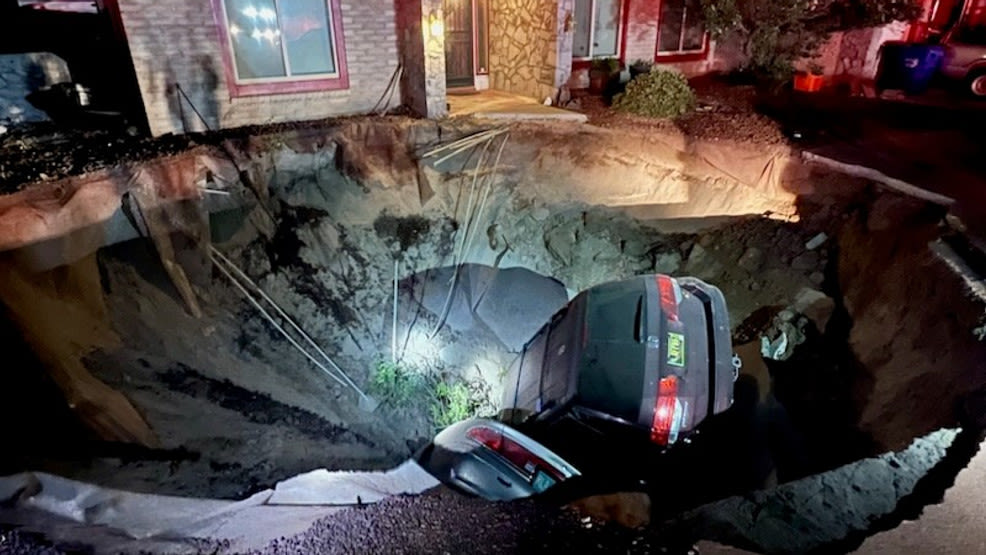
667,412
669,296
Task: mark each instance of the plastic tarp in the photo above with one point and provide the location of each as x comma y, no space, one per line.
321,487
290,508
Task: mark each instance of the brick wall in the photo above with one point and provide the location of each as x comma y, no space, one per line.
177,42
641,30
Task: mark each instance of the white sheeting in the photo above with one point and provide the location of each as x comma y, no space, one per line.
140,515
290,507
321,487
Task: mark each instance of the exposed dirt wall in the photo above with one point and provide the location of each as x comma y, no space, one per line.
913,323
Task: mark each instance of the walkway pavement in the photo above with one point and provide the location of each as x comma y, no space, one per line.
491,104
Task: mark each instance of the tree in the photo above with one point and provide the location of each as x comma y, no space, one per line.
777,33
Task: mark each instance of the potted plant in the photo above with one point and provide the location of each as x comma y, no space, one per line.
811,80
640,67
601,71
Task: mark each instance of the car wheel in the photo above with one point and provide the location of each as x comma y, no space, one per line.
977,84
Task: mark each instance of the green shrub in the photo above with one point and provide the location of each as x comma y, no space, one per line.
394,382
453,402
658,94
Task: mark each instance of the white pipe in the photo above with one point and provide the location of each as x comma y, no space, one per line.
287,318
274,322
393,335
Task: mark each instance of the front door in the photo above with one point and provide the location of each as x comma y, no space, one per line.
458,43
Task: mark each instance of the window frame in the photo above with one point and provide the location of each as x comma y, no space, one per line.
620,33
678,55
288,84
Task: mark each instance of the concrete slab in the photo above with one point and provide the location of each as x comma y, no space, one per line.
501,105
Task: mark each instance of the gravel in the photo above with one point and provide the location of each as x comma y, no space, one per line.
16,542
446,522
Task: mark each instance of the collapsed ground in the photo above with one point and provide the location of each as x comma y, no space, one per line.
878,331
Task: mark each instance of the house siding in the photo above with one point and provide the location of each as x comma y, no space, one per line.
177,42
641,32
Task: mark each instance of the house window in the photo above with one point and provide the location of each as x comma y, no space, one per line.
597,29
680,30
282,45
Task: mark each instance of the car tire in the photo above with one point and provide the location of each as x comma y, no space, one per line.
976,84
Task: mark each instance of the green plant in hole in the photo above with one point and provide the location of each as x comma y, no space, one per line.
394,382
657,94
454,401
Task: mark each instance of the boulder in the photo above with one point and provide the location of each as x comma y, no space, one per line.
667,263
751,260
702,264
805,261
815,305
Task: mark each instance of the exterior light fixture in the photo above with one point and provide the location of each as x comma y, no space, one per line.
435,25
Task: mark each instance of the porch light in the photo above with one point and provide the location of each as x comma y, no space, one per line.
435,25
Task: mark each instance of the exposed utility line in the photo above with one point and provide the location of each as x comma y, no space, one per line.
473,214
446,306
491,178
239,172
225,266
465,143
393,336
388,93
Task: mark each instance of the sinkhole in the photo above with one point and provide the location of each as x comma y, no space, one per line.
135,361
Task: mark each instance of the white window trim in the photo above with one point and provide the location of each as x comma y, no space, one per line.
592,34
333,40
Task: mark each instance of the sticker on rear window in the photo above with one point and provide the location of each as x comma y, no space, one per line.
676,349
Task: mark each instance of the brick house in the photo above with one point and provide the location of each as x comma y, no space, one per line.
533,47
241,62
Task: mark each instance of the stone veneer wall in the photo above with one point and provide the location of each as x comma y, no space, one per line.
22,74
524,47
177,42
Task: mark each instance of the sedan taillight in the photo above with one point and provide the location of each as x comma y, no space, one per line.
512,451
